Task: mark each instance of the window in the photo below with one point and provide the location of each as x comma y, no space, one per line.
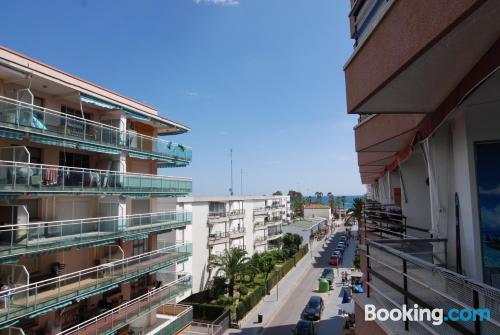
74,112
74,160
37,101
139,247
35,155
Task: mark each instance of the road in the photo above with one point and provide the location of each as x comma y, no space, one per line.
289,305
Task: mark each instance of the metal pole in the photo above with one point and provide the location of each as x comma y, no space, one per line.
231,189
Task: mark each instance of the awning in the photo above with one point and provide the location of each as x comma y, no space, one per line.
15,135
98,148
96,101
135,115
52,141
135,237
138,155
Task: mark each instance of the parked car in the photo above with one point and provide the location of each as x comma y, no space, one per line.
343,238
313,309
339,249
337,253
334,260
328,275
304,327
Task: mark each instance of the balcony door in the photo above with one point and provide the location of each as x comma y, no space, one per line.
488,180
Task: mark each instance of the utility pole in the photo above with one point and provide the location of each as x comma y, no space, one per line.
231,188
241,181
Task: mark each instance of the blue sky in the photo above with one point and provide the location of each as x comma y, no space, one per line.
263,77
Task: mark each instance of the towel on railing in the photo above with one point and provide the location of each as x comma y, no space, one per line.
50,176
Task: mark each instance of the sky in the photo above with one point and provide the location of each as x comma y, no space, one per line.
263,77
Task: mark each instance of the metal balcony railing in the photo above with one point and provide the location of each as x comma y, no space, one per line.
43,296
118,317
413,271
88,135
218,235
236,232
17,177
42,236
366,14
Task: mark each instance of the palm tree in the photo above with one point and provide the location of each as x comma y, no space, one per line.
319,196
343,200
232,263
357,209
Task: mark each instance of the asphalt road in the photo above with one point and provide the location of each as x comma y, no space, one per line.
285,318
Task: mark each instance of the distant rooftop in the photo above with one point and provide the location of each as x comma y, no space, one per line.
307,223
221,198
316,206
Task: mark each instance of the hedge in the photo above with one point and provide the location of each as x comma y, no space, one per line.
206,312
247,303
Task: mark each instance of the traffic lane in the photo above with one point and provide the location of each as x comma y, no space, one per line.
290,311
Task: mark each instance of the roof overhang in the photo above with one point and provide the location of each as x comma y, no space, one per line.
427,79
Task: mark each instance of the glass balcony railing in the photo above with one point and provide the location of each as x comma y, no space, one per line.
46,295
88,134
114,319
18,177
35,237
11,331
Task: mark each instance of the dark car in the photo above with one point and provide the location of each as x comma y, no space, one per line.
304,327
313,309
328,275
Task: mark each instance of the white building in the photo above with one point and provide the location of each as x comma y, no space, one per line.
317,211
252,223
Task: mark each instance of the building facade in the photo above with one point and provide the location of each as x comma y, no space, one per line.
86,243
317,211
424,81
252,223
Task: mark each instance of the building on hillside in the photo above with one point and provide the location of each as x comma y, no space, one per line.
86,244
317,211
252,223
425,82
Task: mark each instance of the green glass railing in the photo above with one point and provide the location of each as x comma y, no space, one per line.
36,237
181,321
18,115
46,295
18,177
118,317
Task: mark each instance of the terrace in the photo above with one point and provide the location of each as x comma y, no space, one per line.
170,318
20,178
46,295
55,128
36,237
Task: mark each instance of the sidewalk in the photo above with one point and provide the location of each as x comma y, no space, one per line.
270,304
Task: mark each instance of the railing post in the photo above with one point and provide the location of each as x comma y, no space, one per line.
477,320
368,270
405,288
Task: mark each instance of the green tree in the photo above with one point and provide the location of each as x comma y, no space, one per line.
319,197
343,200
277,193
297,203
266,266
232,264
357,209
292,242
331,201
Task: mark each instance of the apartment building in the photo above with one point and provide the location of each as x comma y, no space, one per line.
425,82
86,245
252,223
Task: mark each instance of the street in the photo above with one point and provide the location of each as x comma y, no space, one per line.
281,315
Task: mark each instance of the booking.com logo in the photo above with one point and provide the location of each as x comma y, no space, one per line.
437,315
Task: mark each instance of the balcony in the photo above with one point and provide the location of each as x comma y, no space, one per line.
237,232
11,331
46,295
236,214
413,271
177,316
36,237
261,211
218,238
217,217
258,225
20,178
55,128
275,236
274,222
260,240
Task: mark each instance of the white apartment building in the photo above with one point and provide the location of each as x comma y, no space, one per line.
252,223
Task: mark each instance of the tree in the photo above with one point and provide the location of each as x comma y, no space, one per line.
266,266
319,197
232,263
331,201
292,242
297,203
277,193
343,200
357,209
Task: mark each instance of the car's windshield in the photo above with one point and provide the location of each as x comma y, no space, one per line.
313,303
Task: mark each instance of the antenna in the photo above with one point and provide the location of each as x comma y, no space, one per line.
231,188
241,181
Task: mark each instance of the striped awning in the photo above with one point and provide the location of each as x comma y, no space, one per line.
98,148
52,141
15,135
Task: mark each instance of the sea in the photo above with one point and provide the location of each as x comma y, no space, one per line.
324,200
